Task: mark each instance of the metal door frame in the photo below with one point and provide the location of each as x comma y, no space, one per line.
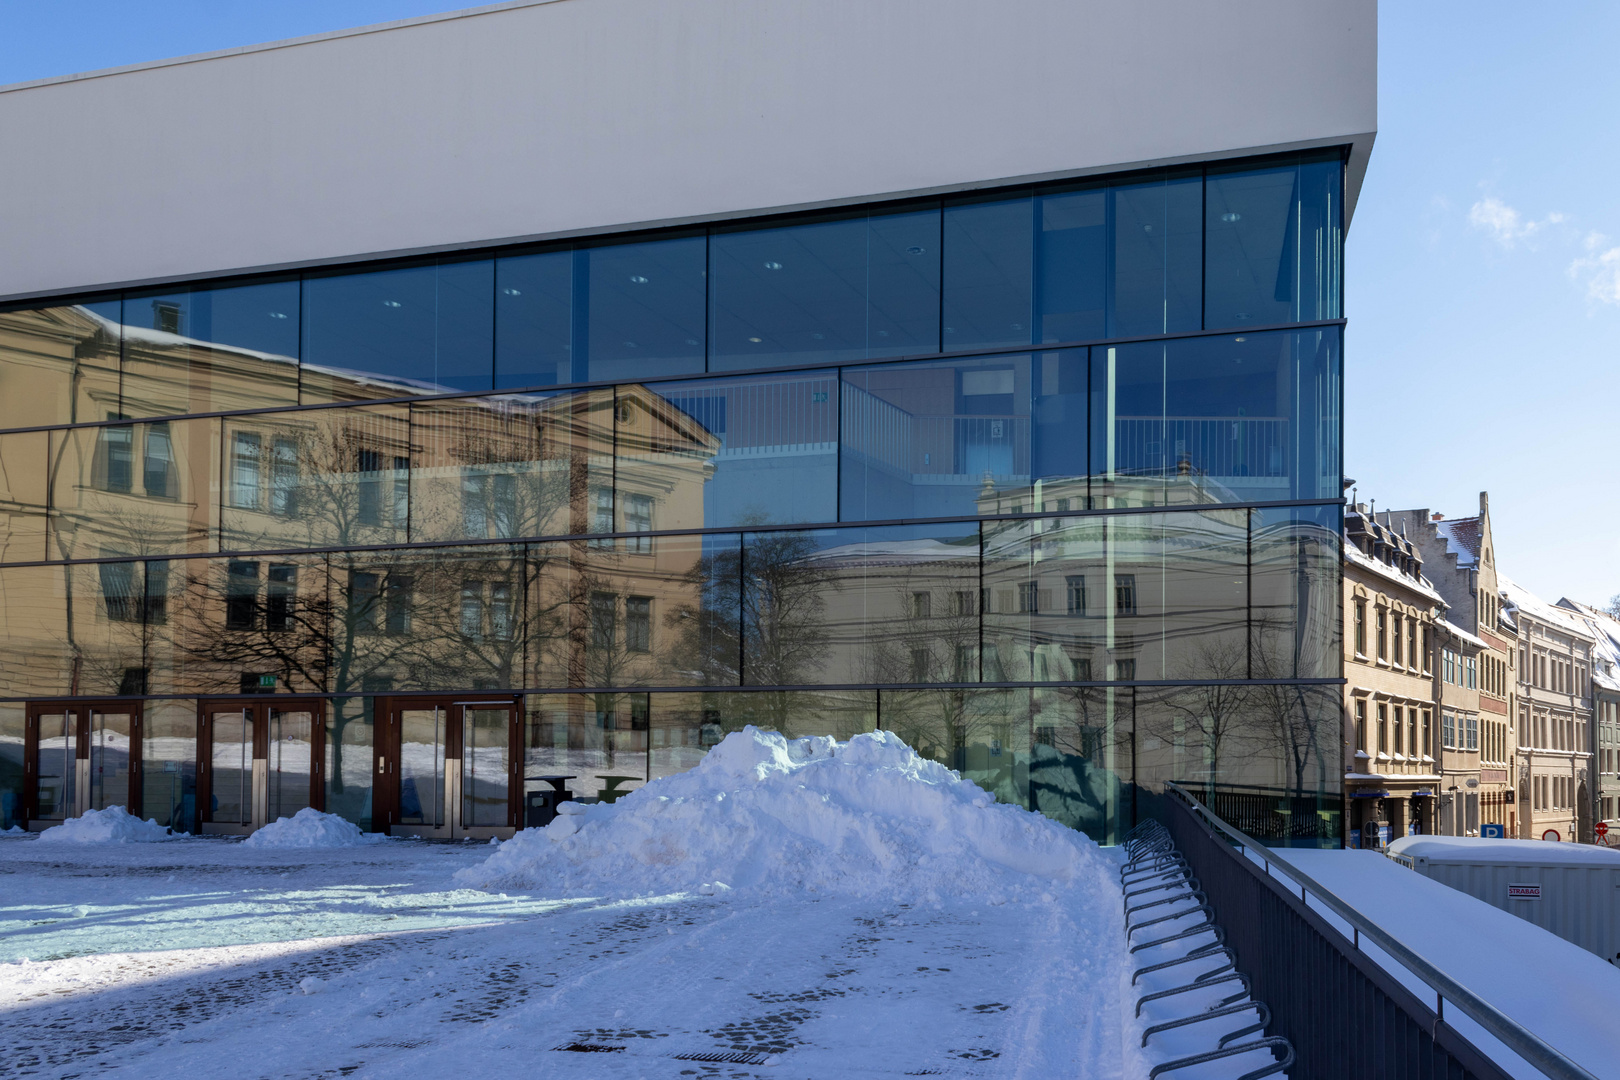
258,713
80,709
386,808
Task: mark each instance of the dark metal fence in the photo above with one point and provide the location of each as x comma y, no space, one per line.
1344,1014
1275,816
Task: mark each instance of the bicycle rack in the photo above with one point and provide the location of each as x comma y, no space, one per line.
1153,866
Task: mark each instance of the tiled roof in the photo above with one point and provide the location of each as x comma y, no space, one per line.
1462,538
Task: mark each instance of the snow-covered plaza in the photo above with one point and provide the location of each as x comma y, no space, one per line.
803,909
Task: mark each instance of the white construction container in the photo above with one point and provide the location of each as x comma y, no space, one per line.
1572,890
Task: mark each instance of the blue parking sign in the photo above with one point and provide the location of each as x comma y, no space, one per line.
1492,830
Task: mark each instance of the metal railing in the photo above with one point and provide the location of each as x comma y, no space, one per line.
1346,1015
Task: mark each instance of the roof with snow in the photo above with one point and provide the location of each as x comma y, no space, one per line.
1463,635
1356,557
1476,849
1606,628
1462,539
1523,600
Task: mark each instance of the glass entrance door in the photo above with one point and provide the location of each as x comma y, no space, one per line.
114,763
79,757
444,768
56,756
229,770
486,765
258,762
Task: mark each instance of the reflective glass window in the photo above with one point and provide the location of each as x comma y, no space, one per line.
36,637
1155,254
437,619
24,487
424,328
797,714
985,734
534,320
216,626
202,349
59,365
989,269
316,478
643,306
842,605
1219,419
964,437
628,612
598,746
1273,241
832,287
1071,264
133,488
511,466
748,450
13,719
1296,626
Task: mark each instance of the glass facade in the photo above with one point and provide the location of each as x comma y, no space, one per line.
1046,480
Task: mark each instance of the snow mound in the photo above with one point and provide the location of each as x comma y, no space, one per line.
309,828
114,825
867,818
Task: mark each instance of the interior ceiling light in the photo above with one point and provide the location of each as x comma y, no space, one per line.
638,279
512,292
1240,339
773,265
755,340
390,303
1231,216
1147,228
278,314
914,250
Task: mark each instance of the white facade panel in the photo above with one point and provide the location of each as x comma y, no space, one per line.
1569,890
578,116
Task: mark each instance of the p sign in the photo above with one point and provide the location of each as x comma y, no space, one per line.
1492,831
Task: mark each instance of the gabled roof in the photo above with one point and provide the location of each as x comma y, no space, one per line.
1521,599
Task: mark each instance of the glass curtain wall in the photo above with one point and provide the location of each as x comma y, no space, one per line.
1092,548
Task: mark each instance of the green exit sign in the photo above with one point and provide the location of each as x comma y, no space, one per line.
267,682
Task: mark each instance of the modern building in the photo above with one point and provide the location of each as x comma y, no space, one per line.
1605,631
1475,669
521,398
1557,778
1392,775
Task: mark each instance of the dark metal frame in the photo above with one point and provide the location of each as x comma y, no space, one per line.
80,709
1347,1016
259,705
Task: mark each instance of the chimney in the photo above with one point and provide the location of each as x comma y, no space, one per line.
1437,516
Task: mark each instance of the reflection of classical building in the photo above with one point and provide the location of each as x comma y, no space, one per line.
1042,475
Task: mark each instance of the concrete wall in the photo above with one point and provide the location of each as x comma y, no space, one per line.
577,116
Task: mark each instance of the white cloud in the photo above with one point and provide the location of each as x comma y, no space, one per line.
1601,269
1504,224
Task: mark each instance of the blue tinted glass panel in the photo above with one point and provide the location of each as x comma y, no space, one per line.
836,287
1233,418
534,319
1272,242
644,305
936,438
198,350
742,451
892,605
1295,626
989,273
420,329
1156,255
1071,264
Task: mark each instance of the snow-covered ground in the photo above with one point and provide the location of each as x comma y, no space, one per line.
884,918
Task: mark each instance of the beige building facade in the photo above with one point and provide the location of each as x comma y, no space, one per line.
1391,615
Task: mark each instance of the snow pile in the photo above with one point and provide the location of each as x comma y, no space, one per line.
867,817
114,825
309,828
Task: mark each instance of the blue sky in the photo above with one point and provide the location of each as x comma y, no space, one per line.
1483,263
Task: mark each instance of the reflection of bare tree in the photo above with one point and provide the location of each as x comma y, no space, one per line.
1284,711
1217,713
